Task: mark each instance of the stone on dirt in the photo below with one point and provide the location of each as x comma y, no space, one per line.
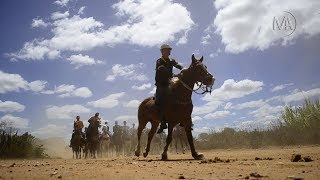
307,159
294,177
295,157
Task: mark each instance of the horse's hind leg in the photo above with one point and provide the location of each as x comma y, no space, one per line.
151,133
164,155
142,125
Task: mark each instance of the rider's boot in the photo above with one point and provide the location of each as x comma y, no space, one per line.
159,105
163,124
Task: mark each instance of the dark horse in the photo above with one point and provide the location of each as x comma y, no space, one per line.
76,144
178,108
93,138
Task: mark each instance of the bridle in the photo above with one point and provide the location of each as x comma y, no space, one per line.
204,88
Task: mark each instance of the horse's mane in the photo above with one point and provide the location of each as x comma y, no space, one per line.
176,79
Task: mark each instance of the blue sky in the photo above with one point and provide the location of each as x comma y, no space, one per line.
69,57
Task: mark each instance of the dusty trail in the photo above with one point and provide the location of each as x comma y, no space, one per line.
231,164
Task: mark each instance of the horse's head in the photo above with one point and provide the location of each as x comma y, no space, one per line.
98,123
200,72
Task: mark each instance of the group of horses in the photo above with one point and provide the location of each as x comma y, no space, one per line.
90,144
110,145
94,144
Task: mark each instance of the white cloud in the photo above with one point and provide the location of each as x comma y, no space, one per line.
196,118
11,82
38,22
148,21
70,34
247,25
250,104
232,89
128,72
132,104
107,102
217,115
37,86
183,39
64,88
67,90
10,106
82,60
59,15
66,111
153,91
15,83
142,87
82,92
34,50
280,87
205,39
262,117
215,54
61,2
81,10
15,121
50,130
228,105
146,25
267,111
206,108
298,96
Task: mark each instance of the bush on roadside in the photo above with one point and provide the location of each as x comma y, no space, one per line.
13,145
297,126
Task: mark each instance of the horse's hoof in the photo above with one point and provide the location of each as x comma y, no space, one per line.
197,156
164,157
145,154
137,153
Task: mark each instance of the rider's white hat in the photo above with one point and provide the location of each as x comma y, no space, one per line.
165,46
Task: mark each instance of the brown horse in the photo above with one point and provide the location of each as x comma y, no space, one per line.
178,108
76,144
92,135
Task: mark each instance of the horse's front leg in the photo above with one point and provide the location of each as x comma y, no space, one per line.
150,136
169,139
142,125
195,155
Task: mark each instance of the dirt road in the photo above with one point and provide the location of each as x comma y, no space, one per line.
270,163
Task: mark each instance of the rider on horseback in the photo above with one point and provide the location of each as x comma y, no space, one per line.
164,74
77,127
94,118
106,130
